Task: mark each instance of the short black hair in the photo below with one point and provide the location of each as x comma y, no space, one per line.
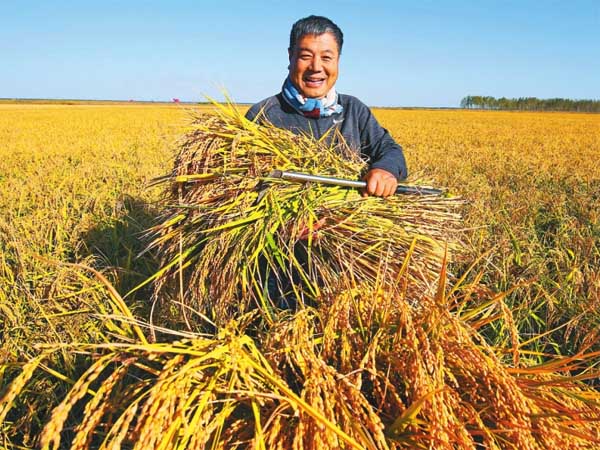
315,25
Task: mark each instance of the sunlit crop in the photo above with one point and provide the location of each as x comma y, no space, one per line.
500,350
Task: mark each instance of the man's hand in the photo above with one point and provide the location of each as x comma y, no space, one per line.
304,232
380,183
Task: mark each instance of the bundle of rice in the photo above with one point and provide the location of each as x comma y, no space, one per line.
236,239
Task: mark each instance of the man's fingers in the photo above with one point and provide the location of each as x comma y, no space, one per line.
381,187
390,188
387,191
380,183
304,231
372,185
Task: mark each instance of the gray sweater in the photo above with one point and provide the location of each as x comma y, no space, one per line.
356,123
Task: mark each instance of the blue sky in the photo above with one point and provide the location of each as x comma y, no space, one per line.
396,53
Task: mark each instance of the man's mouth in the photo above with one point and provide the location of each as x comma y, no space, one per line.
314,82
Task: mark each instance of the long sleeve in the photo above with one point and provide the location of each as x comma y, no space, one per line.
379,146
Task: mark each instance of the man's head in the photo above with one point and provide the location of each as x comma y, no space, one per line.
314,52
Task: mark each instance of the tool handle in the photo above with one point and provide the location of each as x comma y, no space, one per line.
417,190
304,177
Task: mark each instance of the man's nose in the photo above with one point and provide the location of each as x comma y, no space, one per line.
315,65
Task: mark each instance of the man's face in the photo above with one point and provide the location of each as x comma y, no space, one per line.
314,64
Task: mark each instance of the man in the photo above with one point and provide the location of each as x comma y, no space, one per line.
308,103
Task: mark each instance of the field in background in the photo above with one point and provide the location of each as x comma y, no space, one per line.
73,184
533,187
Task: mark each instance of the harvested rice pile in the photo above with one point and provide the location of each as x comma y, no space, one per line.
232,237
364,370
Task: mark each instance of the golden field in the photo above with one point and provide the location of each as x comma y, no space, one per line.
74,191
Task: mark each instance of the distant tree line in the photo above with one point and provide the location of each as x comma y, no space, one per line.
530,104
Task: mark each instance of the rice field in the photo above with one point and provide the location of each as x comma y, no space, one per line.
502,352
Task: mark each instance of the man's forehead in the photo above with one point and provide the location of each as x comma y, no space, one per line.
310,49
324,43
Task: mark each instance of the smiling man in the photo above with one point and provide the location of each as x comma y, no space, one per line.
308,103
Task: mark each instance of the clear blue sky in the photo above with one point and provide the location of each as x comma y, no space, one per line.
417,53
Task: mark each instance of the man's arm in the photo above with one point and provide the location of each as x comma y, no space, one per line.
381,149
253,111
387,165
262,111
